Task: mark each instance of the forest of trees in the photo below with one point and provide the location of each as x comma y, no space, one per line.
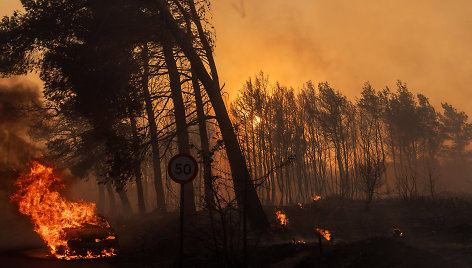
128,84
387,142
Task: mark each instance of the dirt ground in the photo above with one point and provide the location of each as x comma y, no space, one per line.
434,234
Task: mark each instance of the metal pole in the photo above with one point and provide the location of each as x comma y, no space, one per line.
245,225
321,245
181,247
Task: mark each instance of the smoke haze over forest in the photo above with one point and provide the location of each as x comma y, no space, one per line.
424,43
235,133
15,97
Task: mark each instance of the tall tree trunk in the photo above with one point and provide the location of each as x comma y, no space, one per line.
125,202
341,169
241,178
254,158
137,169
101,198
204,143
111,198
180,118
156,162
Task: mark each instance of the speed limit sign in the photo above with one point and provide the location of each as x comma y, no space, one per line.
182,168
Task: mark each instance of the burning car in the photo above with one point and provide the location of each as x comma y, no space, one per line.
71,230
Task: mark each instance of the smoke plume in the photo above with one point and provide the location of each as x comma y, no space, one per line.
17,98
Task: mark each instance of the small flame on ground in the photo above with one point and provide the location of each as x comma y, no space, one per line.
281,217
315,197
324,233
397,232
300,205
298,242
52,214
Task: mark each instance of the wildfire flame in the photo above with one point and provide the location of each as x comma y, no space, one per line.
315,197
324,233
53,215
281,217
257,120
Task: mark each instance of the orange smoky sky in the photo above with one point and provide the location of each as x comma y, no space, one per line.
425,43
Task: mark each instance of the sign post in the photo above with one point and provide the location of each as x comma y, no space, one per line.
182,169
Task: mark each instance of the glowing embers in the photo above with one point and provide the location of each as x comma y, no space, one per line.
325,233
298,242
315,198
72,230
397,233
283,219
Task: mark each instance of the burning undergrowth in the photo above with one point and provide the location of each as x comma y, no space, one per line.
281,217
325,233
71,230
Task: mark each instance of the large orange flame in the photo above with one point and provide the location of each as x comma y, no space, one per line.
53,215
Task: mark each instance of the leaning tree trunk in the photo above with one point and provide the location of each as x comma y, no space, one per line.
244,188
206,45
156,162
180,118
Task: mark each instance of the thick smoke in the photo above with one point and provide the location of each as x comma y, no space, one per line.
17,100
347,43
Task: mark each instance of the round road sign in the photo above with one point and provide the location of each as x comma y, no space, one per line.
182,168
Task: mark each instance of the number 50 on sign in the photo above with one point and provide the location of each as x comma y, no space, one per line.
182,168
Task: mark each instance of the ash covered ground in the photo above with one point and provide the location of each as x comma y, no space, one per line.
434,234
